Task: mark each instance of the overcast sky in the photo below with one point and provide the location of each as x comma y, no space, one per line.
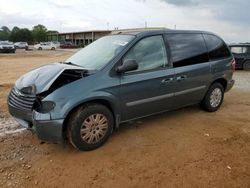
228,18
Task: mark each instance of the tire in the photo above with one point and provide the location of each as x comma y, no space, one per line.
82,120
39,48
213,98
246,66
52,48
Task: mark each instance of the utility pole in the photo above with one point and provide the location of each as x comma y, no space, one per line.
146,24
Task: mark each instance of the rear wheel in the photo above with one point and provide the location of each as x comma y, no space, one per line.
246,66
214,98
52,48
40,48
90,127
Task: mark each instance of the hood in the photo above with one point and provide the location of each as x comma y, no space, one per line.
43,77
7,45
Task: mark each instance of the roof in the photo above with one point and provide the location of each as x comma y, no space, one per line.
240,44
157,31
79,32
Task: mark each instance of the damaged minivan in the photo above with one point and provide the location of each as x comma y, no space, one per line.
119,78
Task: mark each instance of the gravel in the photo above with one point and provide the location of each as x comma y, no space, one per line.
9,126
242,80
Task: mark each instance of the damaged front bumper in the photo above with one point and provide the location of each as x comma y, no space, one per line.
45,128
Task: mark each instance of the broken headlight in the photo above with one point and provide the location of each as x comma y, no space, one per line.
29,90
45,106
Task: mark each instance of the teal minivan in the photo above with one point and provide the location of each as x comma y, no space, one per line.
119,78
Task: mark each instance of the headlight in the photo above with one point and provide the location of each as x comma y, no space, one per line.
29,90
45,106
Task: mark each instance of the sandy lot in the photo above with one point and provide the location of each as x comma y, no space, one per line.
183,148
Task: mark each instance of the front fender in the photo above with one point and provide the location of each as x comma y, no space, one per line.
64,107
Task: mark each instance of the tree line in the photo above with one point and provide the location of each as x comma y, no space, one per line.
37,34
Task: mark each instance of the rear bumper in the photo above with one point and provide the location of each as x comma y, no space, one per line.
230,84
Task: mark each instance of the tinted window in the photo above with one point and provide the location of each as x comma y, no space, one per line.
187,49
246,50
236,50
149,53
216,47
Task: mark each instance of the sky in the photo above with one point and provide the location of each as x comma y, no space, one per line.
228,18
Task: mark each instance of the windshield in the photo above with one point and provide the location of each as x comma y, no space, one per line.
99,53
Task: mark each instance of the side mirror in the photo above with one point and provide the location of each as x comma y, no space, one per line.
127,65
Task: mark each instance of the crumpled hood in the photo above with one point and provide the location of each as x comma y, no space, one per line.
43,77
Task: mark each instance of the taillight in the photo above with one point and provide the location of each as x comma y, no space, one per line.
233,63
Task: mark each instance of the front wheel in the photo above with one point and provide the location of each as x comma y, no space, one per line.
213,98
90,127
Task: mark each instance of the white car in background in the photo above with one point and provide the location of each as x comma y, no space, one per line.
21,45
45,46
7,47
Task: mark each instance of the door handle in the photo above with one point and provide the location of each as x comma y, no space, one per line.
180,78
167,80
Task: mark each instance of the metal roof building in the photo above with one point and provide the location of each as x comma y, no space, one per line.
86,37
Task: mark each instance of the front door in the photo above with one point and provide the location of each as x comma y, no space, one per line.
149,89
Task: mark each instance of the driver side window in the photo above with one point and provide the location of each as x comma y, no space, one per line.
149,53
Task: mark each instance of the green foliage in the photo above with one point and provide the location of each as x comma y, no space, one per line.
39,33
4,33
21,35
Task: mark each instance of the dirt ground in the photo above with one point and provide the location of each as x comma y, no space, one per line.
183,148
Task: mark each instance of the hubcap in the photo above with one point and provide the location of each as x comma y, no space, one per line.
94,128
215,97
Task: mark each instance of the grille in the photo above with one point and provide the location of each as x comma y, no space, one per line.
21,101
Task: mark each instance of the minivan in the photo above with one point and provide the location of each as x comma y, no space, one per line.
119,78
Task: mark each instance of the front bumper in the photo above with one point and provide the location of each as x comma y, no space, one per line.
7,50
49,130
45,128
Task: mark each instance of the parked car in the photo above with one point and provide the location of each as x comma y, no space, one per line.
241,53
21,45
56,43
119,78
67,45
45,46
7,47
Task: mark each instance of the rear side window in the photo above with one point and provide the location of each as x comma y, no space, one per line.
217,49
246,50
187,49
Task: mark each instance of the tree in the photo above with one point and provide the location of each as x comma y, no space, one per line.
14,34
4,33
39,33
21,35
